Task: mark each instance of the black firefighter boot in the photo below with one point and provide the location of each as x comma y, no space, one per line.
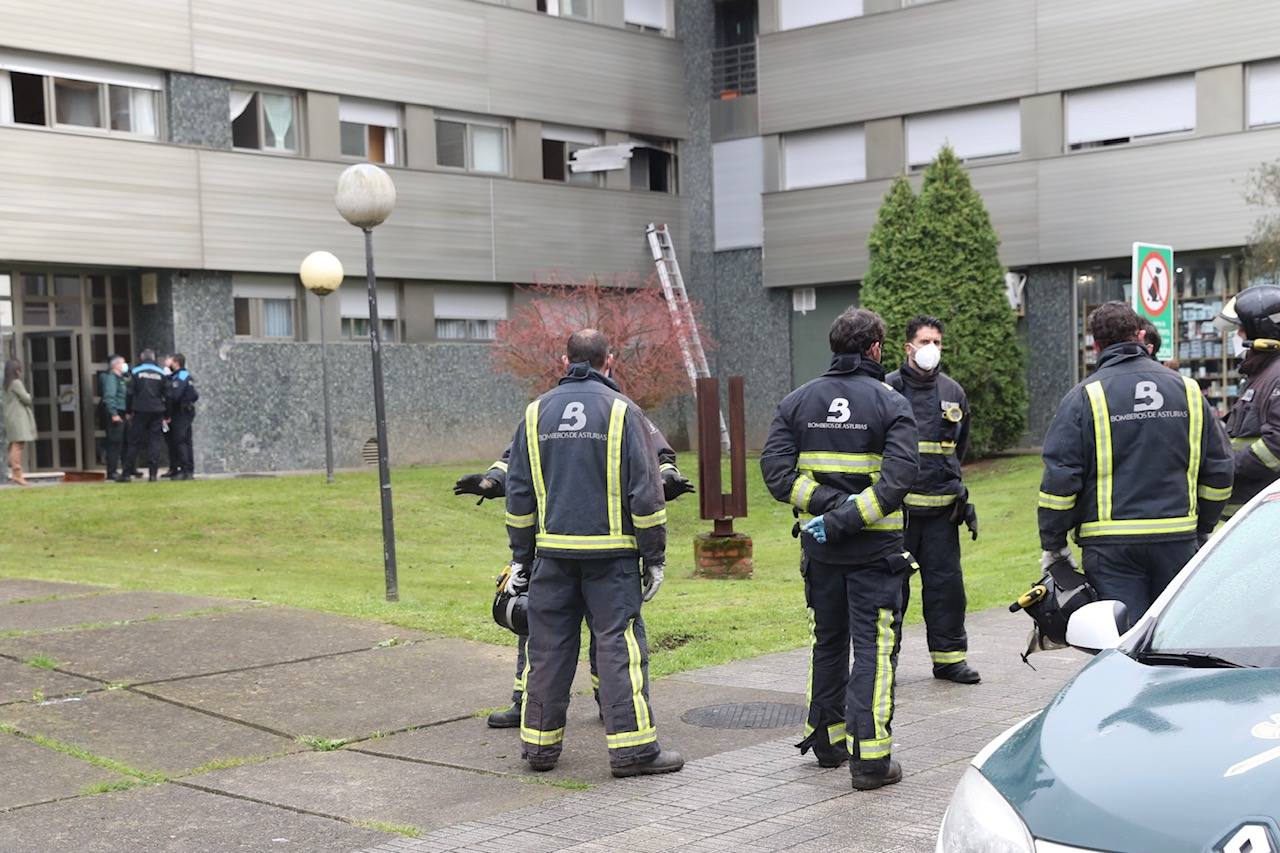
507,718
869,775
828,755
666,761
960,673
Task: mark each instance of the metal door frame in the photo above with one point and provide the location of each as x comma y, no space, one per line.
56,434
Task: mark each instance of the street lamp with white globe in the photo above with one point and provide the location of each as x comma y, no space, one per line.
365,198
321,273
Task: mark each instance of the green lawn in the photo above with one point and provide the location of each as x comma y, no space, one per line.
297,541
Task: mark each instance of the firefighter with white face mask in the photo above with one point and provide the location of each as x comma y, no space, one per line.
938,502
1254,420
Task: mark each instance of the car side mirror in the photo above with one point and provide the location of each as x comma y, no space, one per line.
1096,626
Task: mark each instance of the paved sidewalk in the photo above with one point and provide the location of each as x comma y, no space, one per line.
160,722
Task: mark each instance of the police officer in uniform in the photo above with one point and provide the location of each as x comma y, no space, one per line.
1254,421
843,448
492,484
585,498
938,502
149,403
182,413
1135,464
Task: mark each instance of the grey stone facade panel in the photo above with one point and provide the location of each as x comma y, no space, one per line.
1051,343
198,110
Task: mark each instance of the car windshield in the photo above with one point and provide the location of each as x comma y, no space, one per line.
1227,607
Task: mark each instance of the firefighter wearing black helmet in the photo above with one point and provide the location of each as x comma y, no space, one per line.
1254,420
1135,463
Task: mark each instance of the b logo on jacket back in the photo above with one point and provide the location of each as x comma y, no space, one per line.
838,414
1147,397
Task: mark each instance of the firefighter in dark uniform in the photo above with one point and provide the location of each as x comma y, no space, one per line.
182,413
493,484
842,448
1135,464
149,403
938,501
1254,421
585,498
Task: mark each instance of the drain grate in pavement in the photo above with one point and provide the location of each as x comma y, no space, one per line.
746,715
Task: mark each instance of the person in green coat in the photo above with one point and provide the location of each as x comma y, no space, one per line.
115,405
19,419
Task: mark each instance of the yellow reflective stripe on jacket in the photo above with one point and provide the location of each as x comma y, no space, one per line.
1061,503
1264,454
831,462
892,521
644,522
567,542
918,500
533,737
499,465
521,520
801,491
1195,433
613,468
1211,493
868,506
943,447
535,462
1138,526
1102,446
667,466
1240,442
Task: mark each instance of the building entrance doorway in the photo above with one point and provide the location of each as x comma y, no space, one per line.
53,368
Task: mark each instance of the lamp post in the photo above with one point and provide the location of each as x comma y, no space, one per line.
322,273
365,198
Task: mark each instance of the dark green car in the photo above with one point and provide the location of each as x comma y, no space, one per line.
1168,741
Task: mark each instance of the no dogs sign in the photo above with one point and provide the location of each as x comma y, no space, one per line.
1153,290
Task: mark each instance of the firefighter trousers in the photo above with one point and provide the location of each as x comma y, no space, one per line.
858,604
935,543
522,661
562,592
1135,573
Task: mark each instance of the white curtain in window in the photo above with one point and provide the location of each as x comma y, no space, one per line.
279,112
488,149
6,99
1264,94
738,181
239,101
353,300
646,13
1146,108
277,318
389,146
985,131
834,156
804,13
142,111
451,329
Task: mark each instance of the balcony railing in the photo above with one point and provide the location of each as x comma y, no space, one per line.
733,71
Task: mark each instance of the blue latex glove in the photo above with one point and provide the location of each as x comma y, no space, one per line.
817,528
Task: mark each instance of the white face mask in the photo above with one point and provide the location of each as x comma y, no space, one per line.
1238,347
928,357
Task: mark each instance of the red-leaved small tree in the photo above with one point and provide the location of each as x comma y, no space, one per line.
633,316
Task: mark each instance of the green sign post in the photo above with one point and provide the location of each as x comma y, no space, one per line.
1153,293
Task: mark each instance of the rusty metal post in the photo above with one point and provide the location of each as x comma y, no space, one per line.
722,553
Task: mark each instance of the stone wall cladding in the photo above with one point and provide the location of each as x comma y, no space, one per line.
1052,345
198,110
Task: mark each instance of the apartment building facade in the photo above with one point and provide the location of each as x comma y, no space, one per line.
165,165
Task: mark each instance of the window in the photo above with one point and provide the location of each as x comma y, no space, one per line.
653,166
51,92
470,312
805,13
6,317
566,8
265,307
353,308
738,181
1264,93
991,130
473,145
1114,115
264,121
370,131
646,15
813,158
559,145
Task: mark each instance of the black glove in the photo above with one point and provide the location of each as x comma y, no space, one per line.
958,511
675,484
971,519
478,484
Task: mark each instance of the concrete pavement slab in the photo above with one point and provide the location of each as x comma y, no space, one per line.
362,787
219,642
24,589
21,682
355,695
36,774
104,608
175,819
470,743
122,725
